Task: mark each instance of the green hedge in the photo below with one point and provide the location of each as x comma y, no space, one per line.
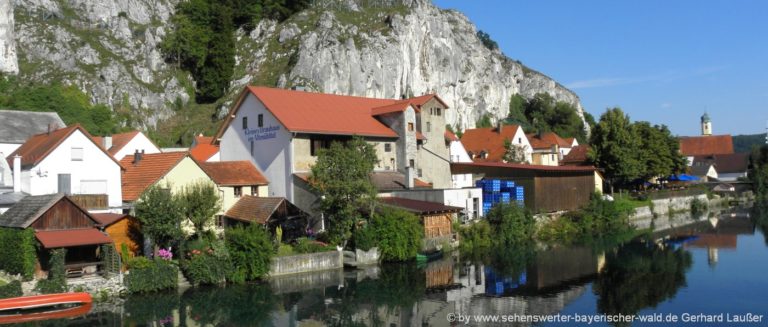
151,275
17,251
250,250
57,279
207,269
12,289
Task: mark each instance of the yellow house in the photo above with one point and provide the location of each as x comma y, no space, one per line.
174,170
236,179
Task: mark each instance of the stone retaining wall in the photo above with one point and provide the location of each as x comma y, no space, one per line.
306,262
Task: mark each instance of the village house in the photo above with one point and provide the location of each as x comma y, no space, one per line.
15,128
281,131
549,148
436,218
728,167
458,154
706,144
203,149
489,144
269,212
123,230
236,179
171,170
712,156
68,161
59,222
124,144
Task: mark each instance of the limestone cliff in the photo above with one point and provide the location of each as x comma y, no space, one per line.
373,48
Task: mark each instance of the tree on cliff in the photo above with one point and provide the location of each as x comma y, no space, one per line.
514,153
341,176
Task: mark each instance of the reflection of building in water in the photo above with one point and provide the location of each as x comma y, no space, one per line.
720,233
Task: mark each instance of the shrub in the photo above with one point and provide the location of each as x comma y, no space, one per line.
398,234
364,238
477,236
210,265
12,289
698,206
560,230
284,250
250,250
513,225
151,275
57,279
17,251
305,245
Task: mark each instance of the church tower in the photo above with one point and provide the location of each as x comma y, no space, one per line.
706,125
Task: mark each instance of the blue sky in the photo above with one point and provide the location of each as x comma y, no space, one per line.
661,61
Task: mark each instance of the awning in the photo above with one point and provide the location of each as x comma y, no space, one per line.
71,237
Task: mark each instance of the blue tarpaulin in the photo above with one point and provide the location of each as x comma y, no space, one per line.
683,178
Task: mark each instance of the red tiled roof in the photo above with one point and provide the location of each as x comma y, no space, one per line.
420,207
449,136
422,99
71,237
395,107
233,173
420,136
382,180
725,163
489,140
203,151
706,145
200,139
138,177
524,167
121,140
577,156
547,140
254,209
319,113
39,146
106,219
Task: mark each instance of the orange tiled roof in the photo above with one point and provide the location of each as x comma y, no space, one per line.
310,112
233,173
450,136
203,151
39,146
489,140
200,139
138,177
254,209
577,156
71,237
547,140
706,145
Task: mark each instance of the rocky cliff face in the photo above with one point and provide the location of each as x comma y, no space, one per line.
8,61
359,47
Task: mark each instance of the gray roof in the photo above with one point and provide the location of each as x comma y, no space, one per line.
26,211
11,198
18,126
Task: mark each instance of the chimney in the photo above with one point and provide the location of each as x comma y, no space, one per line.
106,142
16,174
409,177
137,156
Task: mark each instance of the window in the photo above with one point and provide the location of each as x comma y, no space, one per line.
77,154
418,172
238,191
245,122
410,127
317,144
519,140
429,127
437,111
251,148
553,158
254,190
387,147
261,120
411,163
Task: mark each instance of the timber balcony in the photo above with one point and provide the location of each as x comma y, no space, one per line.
91,201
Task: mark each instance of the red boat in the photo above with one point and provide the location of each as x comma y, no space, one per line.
44,307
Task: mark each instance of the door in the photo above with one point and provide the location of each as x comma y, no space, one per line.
65,183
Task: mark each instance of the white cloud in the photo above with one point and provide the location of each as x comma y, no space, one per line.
663,77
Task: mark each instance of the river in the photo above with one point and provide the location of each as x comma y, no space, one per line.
689,270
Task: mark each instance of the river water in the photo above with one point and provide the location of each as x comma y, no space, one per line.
690,270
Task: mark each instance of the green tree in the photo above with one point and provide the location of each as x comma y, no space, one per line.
341,176
657,151
511,224
199,202
484,121
486,40
546,114
397,233
758,173
160,215
613,148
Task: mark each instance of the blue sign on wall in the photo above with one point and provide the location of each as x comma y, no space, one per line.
262,133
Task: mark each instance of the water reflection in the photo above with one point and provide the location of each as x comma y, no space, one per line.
623,279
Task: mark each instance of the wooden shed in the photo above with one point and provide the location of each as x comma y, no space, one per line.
547,188
122,229
59,222
270,212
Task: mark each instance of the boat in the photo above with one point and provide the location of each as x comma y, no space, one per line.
429,256
16,317
46,300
